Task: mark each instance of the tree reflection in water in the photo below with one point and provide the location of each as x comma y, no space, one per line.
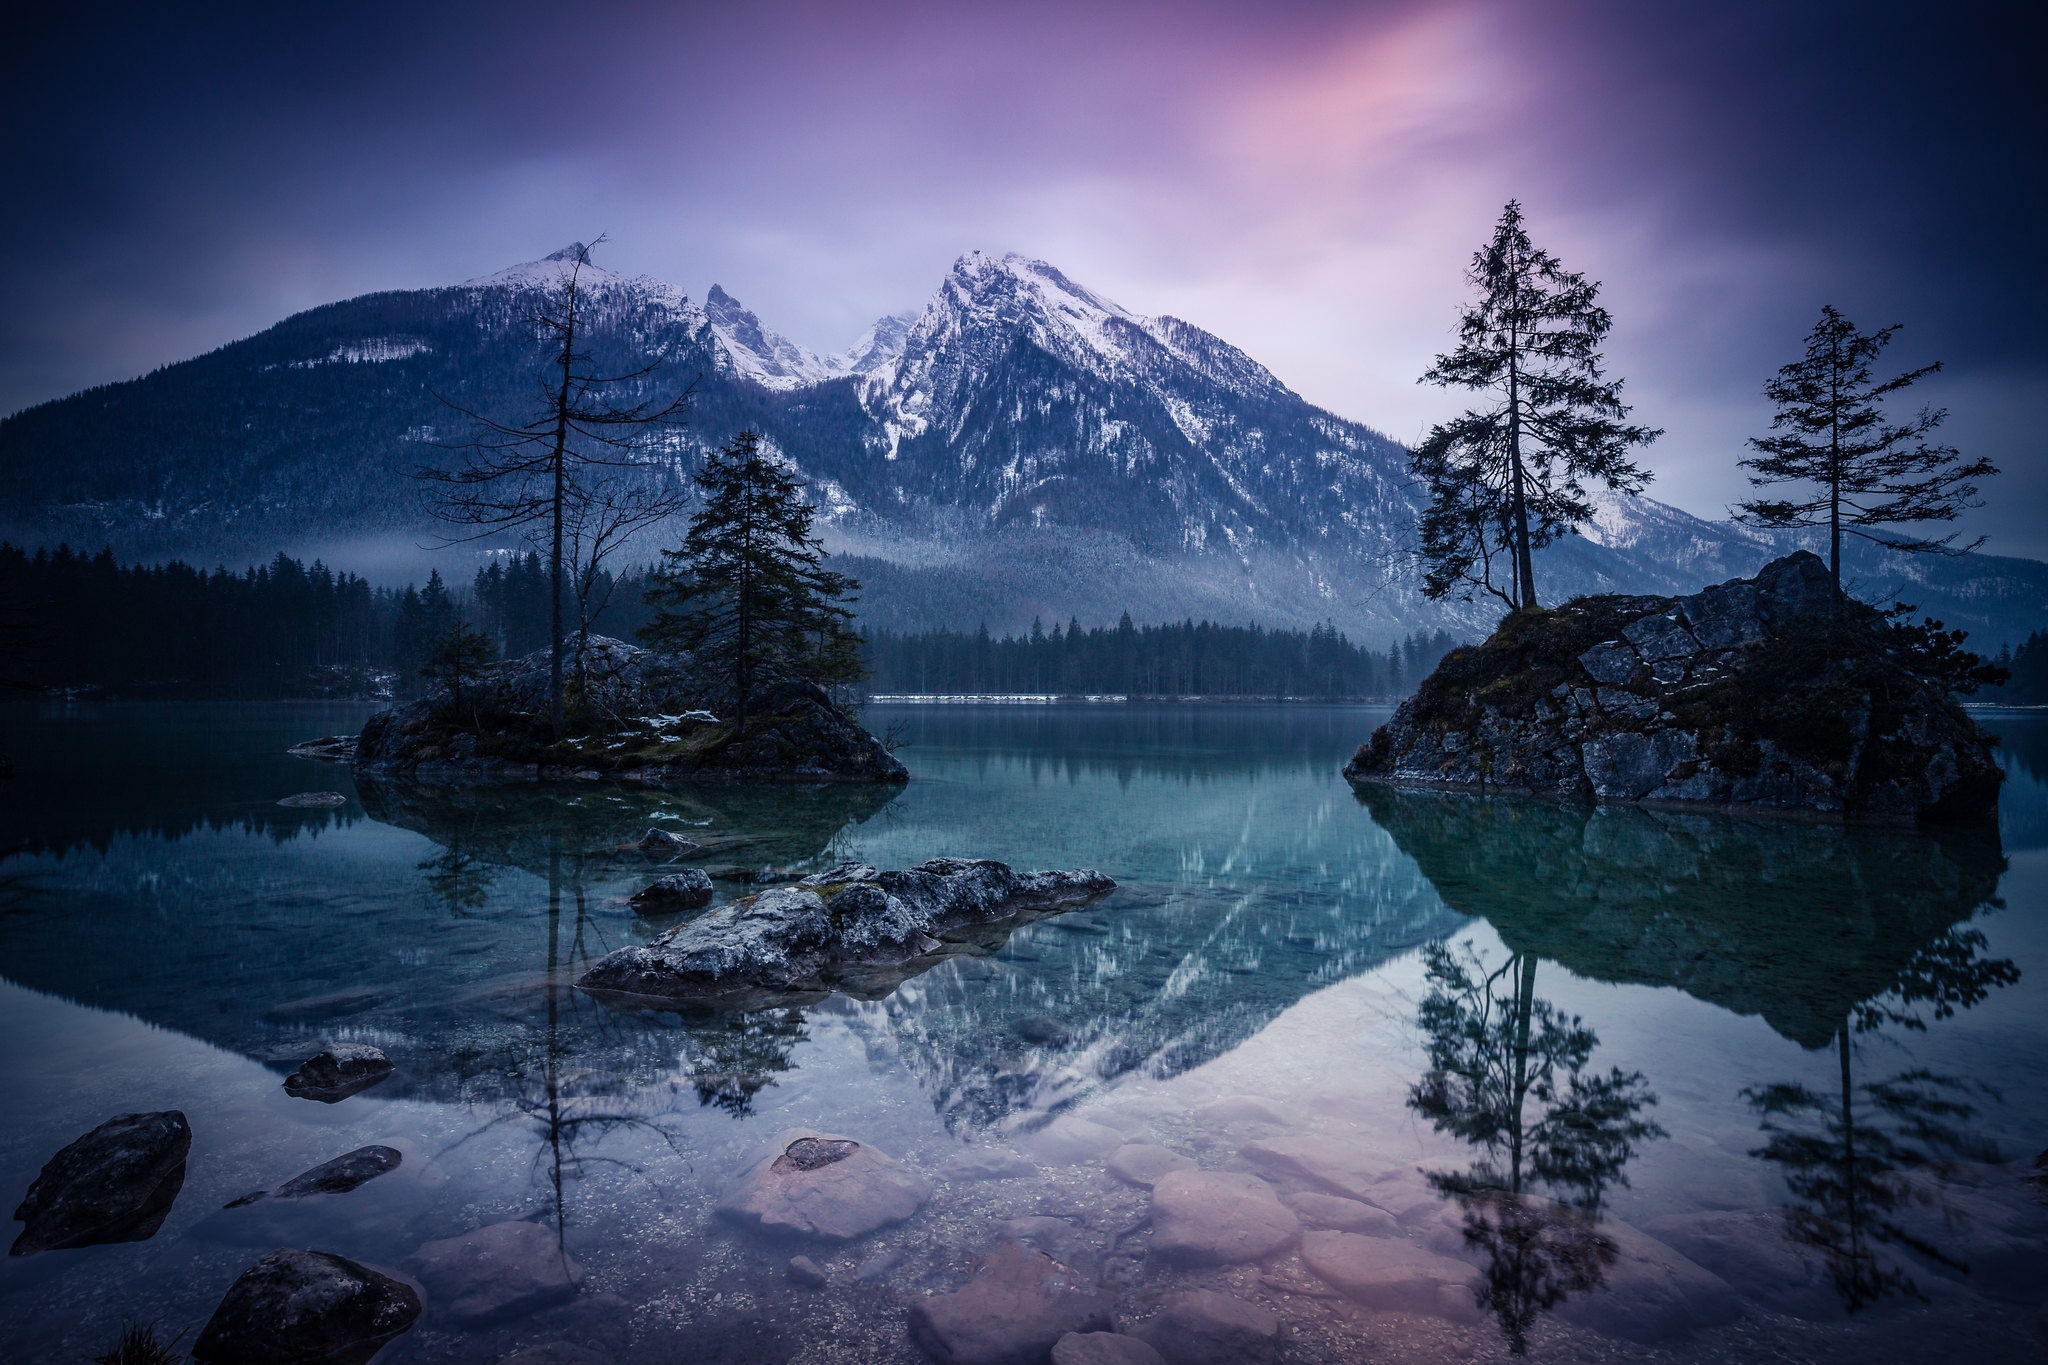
1848,1157
1508,1073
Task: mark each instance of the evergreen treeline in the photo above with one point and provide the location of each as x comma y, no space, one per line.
288,629
2028,665
1184,659
284,629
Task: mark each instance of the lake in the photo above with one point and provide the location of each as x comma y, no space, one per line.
1781,1083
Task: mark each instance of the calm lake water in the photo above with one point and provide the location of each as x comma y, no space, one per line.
1332,993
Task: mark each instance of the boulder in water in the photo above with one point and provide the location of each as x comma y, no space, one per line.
343,1070
1218,1218
115,1184
338,1176
686,890
501,1271
849,928
824,1186
1208,1328
306,1308
1020,1303
314,801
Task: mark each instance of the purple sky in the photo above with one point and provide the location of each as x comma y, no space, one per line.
1306,180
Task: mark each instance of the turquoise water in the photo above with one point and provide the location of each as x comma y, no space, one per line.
1286,967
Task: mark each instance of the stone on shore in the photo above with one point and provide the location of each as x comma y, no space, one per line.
338,1176
1390,1273
1208,1328
686,890
1019,1304
849,928
1772,692
502,1271
825,1186
343,1070
306,1308
1218,1218
115,1184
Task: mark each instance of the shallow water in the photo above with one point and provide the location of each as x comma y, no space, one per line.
1325,990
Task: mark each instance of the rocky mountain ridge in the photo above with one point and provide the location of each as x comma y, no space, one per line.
1021,447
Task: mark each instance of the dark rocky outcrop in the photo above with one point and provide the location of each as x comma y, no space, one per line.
306,1308
338,1176
1768,693
115,1184
343,1070
636,717
849,929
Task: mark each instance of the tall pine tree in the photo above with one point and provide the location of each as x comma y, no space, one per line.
1863,472
1506,479
748,593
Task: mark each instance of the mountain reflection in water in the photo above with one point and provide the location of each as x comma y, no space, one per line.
1834,935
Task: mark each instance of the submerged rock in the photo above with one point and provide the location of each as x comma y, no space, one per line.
687,890
504,1270
1018,1305
306,1308
115,1184
1773,692
1103,1348
1390,1273
343,1070
660,843
637,721
824,1186
1208,1328
850,928
313,801
1143,1163
338,1176
1218,1218
1651,1293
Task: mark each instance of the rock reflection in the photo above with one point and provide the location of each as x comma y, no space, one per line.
1509,1074
1831,934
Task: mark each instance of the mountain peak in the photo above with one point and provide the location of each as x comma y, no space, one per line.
575,251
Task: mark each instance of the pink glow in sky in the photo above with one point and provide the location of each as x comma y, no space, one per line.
1305,180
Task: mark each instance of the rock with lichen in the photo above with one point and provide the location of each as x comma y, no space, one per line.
1768,693
849,928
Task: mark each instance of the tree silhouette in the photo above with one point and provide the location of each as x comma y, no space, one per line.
748,592
1844,1155
1865,471
1508,1074
1507,479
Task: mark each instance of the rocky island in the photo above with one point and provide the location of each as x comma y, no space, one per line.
1770,693
636,716
848,928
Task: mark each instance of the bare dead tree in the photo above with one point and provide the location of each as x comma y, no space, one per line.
530,475
608,511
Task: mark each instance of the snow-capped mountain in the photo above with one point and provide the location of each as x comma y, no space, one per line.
1021,447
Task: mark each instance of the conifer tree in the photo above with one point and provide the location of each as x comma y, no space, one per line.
1864,472
748,592
1508,478
460,652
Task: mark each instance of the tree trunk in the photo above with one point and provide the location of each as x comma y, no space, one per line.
560,471
1525,571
